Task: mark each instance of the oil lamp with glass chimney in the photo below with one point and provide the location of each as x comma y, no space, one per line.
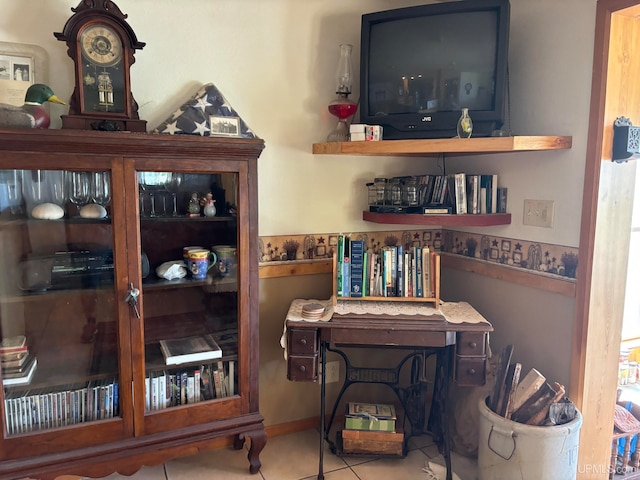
342,107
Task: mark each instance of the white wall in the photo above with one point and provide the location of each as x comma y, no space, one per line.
275,61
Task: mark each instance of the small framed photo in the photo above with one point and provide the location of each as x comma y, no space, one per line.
437,244
494,254
517,257
426,236
506,245
333,240
321,250
224,126
21,65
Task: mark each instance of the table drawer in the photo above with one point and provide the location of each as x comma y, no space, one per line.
470,343
470,371
303,341
302,368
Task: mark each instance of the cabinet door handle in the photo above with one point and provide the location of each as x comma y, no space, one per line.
472,371
303,341
473,344
303,368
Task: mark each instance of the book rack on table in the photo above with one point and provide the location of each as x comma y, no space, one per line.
434,298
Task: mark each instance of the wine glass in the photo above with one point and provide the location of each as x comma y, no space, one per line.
152,182
173,186
14,191
79,184
57,183
101,188
44,186
142,193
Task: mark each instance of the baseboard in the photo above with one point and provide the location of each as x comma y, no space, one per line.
292,427
275,430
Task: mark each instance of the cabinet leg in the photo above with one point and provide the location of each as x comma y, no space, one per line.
258,441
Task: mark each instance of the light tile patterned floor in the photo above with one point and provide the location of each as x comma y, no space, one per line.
295,457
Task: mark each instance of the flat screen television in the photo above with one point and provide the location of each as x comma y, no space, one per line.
419,66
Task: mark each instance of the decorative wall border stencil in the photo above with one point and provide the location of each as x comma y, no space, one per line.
536,257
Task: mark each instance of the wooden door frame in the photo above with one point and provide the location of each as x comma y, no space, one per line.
602,267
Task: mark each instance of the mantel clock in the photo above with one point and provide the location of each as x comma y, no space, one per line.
102,46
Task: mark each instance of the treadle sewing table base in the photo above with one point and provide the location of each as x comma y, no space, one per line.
460,349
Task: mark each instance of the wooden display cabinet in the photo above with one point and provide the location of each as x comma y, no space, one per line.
85,294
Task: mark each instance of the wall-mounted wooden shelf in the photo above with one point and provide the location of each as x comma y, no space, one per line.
453,146
437,146
486,220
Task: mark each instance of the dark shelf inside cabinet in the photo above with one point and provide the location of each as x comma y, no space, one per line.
154,282
467,220
182,219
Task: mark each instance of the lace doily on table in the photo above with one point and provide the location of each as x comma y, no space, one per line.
374,307
461,312
295,314
295,310
453,312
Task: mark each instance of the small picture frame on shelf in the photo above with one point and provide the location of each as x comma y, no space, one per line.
224,126
426,236
333,240
21,65
494,254
506,246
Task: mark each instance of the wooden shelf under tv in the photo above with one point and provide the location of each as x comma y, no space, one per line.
435,147
452,146
467,220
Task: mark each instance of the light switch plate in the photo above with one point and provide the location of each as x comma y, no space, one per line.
538,213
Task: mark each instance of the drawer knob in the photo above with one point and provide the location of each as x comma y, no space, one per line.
303,368
473,344
472,371
303,341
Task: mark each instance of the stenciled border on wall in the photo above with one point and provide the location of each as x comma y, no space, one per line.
533,257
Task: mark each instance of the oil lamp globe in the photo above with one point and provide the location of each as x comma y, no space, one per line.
342,107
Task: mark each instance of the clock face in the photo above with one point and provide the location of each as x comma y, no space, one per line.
101,45
102,70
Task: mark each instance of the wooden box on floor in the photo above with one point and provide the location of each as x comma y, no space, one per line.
371,442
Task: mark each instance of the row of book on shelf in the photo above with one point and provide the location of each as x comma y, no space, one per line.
462,193
18,364
456,193
393,272
478,194
164,389
212,378
41,409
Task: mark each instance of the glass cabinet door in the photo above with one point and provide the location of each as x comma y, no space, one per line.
59,352
189,238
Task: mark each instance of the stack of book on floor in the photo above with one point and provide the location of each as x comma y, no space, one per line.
18,365
370,428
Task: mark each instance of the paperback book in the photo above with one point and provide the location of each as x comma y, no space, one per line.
190,349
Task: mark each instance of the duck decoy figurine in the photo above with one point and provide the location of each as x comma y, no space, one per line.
31,114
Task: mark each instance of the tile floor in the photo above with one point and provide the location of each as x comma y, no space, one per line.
295,457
